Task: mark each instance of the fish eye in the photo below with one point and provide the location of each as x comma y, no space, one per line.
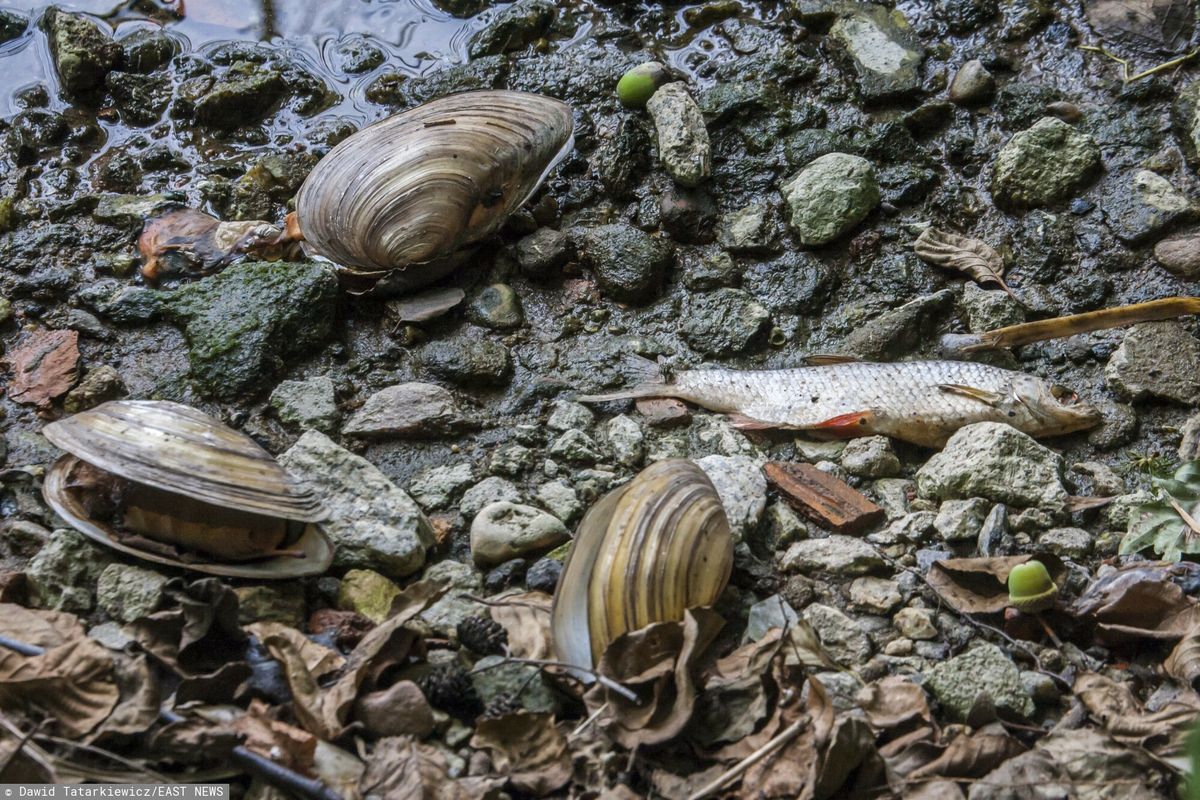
1063,395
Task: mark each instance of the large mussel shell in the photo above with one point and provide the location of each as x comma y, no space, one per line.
398,200
645,553
184,452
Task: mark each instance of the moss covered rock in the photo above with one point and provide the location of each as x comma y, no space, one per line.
246,323
83,53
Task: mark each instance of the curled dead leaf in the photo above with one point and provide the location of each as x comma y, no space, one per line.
528,749
980,585
973,258
1116,709
402,768
1184,662
38,627
284,744
44,366
971,755
656,663
1140,601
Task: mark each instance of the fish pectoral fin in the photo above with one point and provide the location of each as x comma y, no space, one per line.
744,423
847,425
826,359
982,395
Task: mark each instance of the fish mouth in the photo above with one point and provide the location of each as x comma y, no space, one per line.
1077,417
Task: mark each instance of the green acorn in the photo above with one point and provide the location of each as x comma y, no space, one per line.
1030,587
639,83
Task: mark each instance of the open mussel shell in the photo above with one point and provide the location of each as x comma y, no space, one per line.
192,493
645,553
398,201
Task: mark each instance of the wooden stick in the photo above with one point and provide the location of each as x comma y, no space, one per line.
735,772
1060,327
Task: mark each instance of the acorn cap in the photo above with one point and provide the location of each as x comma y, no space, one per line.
1030,587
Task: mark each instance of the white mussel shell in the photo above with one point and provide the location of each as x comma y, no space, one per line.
645,553
194,477
399,199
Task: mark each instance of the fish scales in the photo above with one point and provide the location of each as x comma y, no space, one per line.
923,402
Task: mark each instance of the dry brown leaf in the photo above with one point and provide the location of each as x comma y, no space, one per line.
1139,601
318,659
972,755
401,768
141,698
284,744
656,663
44,366
963,254
525,617
528,749
737,693
1156,25
1113,705
898,711
980,585
39,627
325,711
72,683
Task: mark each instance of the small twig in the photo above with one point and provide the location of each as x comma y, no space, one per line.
603,680
1187,518
501,603
1124,62
1049,631
100,751
24,740
733,773
591,718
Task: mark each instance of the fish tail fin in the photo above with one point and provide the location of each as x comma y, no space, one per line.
650,382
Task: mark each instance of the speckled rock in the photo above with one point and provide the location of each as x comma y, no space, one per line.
988,309
840,634
407,410
723,322
435,487
559,498
683,145
629,263
99,385
915,623
469,361
1156,359
277,601
489,490
626,441
839,555
997,462
309,403
1142,209
1067,542
452,608
63,574
504,530
575,446
373,523
750,229
870,457
960,520
830,196
126,592
568,415
883,49
875,595
977,678
743,490
1044,165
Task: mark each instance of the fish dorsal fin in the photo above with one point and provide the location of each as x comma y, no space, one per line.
826,359
982,395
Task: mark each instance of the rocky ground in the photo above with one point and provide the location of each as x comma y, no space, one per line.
772,218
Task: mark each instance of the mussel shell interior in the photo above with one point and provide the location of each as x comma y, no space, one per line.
312,548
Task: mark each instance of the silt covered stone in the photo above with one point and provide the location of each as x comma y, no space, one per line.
1044,165
830,196
683,143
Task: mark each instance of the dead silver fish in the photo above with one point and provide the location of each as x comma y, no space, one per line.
923,402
